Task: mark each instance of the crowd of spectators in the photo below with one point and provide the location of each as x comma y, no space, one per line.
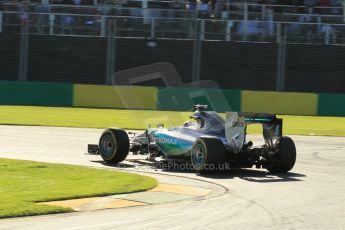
207,8
278,6
260,14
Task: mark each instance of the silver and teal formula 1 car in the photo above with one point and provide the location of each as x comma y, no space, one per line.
206,143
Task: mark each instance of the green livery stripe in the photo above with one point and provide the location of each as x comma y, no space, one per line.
35,93
120,97
184,99
331,104
279,102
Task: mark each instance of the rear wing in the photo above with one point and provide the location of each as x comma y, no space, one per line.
272,126
236,124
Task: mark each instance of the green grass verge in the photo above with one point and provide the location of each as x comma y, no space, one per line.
139,119
23,183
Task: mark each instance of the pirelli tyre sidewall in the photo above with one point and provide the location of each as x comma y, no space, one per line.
207,154
199,155
113,145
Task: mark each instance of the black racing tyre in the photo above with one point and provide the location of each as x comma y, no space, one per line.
207,154
285,159
113,145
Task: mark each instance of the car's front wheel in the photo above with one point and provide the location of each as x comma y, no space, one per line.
207,154
113,145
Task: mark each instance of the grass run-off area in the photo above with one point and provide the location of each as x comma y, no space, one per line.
139,119
23,183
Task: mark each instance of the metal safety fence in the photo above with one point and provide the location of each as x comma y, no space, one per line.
244,54
173,28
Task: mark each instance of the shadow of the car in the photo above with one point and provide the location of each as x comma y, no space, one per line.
253,175
119,165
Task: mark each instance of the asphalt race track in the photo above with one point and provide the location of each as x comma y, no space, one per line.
310,197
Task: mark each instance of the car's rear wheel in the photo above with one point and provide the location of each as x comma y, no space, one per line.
113,145
285,159
207,154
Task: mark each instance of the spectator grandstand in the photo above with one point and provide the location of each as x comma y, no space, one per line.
262,45
301,21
